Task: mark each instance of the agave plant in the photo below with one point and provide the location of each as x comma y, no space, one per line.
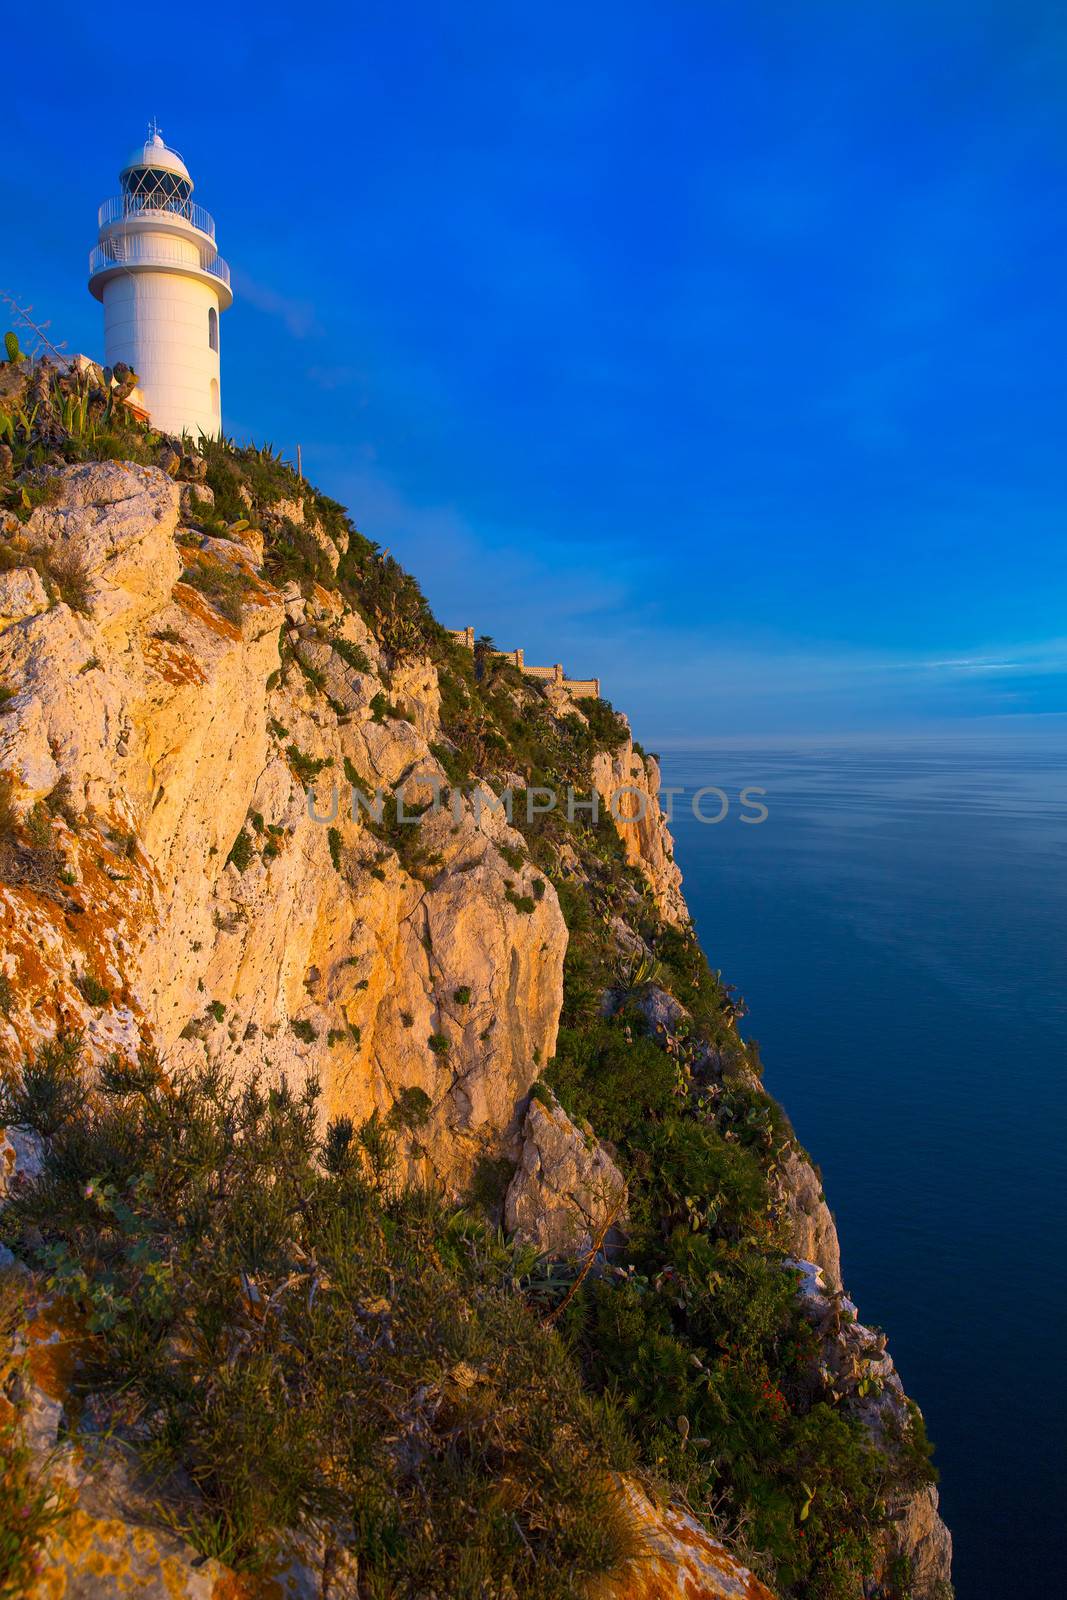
23,422
637,971
74,411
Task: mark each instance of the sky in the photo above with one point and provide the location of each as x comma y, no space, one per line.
717,350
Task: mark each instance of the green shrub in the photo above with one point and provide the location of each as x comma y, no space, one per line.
489,1185
351,654
9,817
455,767
304,1030
383,709
242,851
92,991
305,768
411,1109
280,1309
49,1091
333,836
440,1043
462,995
217,1010
39,829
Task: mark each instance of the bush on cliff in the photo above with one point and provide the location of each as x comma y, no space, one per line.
308,1345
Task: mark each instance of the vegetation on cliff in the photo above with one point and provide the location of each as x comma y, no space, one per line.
303,1342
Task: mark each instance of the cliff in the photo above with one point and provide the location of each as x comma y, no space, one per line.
651,1381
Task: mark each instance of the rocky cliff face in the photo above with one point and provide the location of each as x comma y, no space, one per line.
628,783
222,920
169,698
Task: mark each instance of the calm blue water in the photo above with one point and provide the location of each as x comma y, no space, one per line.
898,926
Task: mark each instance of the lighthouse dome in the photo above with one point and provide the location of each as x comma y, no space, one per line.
157,158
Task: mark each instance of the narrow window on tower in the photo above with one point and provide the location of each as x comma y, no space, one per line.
213,329
215,396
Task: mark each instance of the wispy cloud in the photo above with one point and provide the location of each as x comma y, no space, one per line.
298,315
330,377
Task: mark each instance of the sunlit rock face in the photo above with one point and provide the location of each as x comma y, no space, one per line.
310,949
628,783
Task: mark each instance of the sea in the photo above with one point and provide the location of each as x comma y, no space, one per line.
897,925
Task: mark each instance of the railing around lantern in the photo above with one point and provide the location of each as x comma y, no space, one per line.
122,206
136,251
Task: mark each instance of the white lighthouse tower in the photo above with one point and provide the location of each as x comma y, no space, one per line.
163,286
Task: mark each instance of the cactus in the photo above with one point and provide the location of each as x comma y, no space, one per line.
125,380
11,345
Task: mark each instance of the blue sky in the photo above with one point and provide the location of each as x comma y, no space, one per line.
715,349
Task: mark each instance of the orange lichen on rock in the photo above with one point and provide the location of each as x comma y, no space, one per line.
105,1555
52,935
193,602
55,1340
172,663
677,1559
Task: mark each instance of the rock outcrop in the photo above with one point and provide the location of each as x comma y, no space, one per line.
628,783
567,1195
812,1233
859,1371
677,1559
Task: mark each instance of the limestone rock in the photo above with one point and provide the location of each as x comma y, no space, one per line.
350,690
677,1559
920,1543
415,690
661,1011
20,1158
812,1234
195,498
155,711
567,1189
629,783
22,594
119,520
110,1540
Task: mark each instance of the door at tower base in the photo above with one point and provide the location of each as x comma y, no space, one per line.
160,324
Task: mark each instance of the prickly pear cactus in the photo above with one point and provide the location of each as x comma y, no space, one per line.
11,345
125,380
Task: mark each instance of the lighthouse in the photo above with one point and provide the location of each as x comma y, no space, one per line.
163,286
